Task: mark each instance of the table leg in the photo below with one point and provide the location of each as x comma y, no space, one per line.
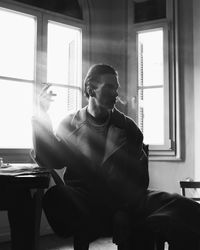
37,215
21,219
24,214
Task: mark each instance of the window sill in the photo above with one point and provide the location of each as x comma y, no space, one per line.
164,158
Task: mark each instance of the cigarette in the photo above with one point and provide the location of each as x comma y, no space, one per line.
51,93
121,101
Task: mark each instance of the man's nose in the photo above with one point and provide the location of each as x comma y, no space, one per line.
116,93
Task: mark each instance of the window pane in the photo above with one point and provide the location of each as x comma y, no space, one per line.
66,100
17,44
150,58
16,112
63,68
64,57
151,115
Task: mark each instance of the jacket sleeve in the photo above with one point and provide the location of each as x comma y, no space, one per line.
139,151
48,150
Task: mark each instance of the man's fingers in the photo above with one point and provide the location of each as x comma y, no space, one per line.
46,86
44,89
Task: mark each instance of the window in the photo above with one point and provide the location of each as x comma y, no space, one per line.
17,75
65,79
35,48
154,76
153,62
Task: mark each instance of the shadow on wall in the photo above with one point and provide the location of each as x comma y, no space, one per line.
66,7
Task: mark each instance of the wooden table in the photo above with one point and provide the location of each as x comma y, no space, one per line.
21,195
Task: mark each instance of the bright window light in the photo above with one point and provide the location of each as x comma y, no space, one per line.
151,85
16,105
151,53
17,45
33,47
17,50
63,69
151,115
63,54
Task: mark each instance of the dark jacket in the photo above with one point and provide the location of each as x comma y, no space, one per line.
121,179
124,169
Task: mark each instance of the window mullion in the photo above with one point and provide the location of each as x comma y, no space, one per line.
65,85
166,43
15,79
151,87
14,83
38,62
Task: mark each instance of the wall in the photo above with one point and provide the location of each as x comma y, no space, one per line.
66,7
196,30
166,175
108,39
108,36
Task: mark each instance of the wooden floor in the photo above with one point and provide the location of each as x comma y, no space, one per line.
52,242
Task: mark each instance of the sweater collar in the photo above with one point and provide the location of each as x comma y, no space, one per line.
116,118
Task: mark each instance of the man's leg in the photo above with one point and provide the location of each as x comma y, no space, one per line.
131,234
184,241
67,210
176,218
122,235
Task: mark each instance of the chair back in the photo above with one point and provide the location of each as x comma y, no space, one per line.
190,185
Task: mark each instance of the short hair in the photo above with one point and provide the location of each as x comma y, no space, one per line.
94,74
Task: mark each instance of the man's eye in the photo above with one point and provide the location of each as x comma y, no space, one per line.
111,87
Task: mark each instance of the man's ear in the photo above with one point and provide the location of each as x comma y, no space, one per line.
90,91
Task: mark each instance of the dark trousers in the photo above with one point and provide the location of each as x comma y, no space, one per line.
176,218
70,210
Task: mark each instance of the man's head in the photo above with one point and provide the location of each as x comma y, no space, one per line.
92,78
101,84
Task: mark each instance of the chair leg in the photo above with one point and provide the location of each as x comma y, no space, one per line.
81,242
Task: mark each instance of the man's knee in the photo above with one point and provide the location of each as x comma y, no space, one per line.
51,196
121,228
63,209
185,242
121,219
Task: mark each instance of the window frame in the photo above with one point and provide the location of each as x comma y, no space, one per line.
149,28
171,150
22,155
57,18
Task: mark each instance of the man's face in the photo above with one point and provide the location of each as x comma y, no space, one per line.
107,91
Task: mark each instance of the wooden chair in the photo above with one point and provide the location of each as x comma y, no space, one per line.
190,185
183,185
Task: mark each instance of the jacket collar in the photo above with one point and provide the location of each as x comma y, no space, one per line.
116,138
117,118
80,117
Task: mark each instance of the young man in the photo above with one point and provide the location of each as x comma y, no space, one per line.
106,177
